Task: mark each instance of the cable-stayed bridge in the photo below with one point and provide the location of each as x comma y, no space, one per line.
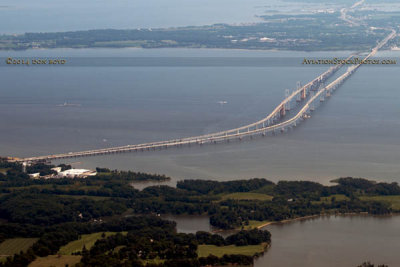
307,98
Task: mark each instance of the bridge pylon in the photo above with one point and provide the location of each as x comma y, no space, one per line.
298,85
287,94
304,94
282,111
328,93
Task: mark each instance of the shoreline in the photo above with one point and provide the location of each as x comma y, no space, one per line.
176,48
309,217
305,218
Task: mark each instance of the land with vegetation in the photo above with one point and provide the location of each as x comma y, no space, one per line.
103,221
305,32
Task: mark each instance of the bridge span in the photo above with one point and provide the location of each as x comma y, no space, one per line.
310,96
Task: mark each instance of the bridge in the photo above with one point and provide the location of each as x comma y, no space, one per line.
309,96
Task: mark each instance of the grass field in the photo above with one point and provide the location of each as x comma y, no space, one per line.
15,245
254,224
393,200
153,261
56,261
205,250
86,240
247,196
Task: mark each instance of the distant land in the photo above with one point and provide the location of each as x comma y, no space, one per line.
324,31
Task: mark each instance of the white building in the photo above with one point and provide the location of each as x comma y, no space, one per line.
78,173
34,175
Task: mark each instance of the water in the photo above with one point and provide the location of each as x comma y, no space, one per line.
321,242
47,15
50,16
354,134
334,241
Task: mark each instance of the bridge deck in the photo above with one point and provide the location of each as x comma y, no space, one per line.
270,123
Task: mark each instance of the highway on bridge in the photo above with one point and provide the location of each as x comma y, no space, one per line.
308,97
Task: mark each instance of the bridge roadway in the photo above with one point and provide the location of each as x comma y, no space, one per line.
270,124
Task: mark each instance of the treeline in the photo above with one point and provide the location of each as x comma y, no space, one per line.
215,187
16,174
45,169
45,209
168,247
322,31
53,237
130,175
349,186
60,210
291,199
148,238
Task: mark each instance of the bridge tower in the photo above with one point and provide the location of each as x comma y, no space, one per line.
328,92
282,111
287,94
298,85
304,93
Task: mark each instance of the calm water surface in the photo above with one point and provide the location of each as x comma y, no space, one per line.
354,134
46,15
49,16
322,242
334,241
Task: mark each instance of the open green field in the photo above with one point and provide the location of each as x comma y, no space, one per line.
153,261
247,196
56,261
393,200
206,250
15,245
254,224
86,240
